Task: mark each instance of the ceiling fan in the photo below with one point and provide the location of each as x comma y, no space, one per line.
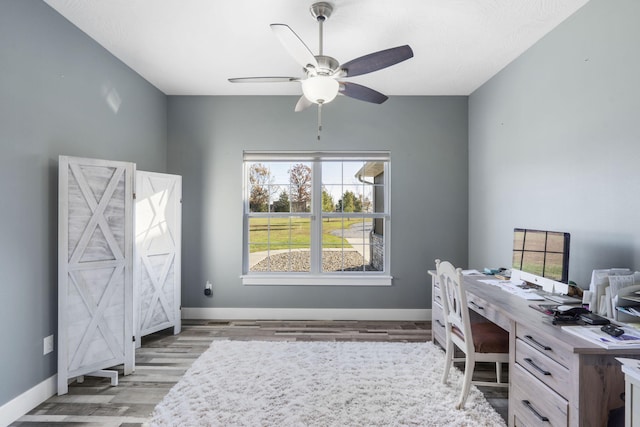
322,79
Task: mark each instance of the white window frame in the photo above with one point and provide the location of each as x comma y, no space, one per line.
316,276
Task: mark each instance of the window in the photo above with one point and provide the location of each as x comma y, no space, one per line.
316,218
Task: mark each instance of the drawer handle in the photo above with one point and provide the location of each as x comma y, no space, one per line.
540,345
536,367
439,323
536,413
476,305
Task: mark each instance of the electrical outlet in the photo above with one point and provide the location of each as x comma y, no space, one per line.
207,289
47,344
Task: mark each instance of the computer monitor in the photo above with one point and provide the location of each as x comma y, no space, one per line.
542,258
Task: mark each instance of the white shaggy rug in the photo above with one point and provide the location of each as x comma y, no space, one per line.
267,383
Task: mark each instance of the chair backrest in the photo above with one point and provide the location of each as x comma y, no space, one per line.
454,304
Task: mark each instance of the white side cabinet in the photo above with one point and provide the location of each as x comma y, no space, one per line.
437,313
631,369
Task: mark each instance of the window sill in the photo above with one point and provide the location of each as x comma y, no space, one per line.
309,280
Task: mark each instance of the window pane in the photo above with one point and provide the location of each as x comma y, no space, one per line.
350,170
376,241
346,244
258,257
367,198
260,181
273,240
330,196
351,200
332,173
290,231
258,231
258,199
300,259
300,187
347,260
281,201
294,259
378,199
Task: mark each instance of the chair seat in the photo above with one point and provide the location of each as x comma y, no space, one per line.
487,337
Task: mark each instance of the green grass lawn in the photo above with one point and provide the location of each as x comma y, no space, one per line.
294,233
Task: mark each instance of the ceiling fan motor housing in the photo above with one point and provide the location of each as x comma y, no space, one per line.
327,65
321,11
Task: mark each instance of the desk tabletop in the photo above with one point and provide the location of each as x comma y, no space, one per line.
518,311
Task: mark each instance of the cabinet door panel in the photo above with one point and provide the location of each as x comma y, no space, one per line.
157,251
95,253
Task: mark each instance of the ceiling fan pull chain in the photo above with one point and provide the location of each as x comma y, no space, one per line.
319,120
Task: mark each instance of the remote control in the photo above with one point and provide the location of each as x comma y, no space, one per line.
612,330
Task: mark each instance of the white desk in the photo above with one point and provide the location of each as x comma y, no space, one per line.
553,375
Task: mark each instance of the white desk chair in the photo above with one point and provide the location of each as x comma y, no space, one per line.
480,342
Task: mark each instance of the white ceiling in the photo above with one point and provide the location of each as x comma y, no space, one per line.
191,47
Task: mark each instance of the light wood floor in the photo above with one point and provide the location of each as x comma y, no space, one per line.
164,358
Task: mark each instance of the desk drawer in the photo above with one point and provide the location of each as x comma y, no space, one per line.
437,293
550,372
488,311
546,344
437,324
535,404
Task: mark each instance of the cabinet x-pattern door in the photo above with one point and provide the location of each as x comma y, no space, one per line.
95,281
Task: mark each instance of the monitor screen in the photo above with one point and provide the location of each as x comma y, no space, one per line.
542,253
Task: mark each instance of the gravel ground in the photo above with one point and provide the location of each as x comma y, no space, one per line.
300,261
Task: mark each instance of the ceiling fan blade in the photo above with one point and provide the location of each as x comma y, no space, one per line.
362,93
264,79
303,104
294,45
377,60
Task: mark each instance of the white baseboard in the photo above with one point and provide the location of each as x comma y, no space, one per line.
306,313
20,405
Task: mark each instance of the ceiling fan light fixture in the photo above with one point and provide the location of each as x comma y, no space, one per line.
320,89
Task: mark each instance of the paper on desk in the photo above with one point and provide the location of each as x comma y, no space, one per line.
471,273
513,288
601,280
630,339
621,281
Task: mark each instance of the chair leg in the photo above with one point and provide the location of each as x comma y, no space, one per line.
466,385
448,361
499,372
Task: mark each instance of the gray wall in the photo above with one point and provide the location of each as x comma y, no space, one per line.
54,100
427,137
554,143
